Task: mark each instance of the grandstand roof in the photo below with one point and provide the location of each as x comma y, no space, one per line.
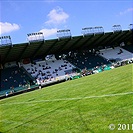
17,52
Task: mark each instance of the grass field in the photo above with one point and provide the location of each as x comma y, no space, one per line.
86,105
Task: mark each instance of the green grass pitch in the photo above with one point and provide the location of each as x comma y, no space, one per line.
85,105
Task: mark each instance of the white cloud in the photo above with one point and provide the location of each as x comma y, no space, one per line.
8,27
57,16
49,32
126,11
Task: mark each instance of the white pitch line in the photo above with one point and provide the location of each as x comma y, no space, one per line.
70,99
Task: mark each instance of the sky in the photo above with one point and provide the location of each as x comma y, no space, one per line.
21,17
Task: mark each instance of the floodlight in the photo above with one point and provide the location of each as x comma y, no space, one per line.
117,28
5,40
35,37
131,26
92,30
61,34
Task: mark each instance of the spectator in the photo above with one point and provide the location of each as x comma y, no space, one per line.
6,94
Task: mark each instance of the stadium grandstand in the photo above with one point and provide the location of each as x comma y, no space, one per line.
37,63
